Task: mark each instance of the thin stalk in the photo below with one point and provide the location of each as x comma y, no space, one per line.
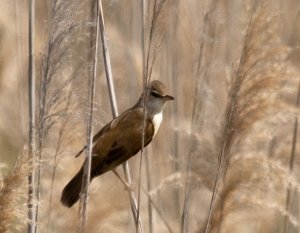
113,102
107,63
32,204
201,73
19,15
148,179
55,162
83,205
143,10
149,187
173,54
290,188
231,109
41,136
43,92
147,72
144,104
272,147
160,215
41,133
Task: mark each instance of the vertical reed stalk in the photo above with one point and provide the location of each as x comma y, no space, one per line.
143,4
201,73
173,54
109,78
83,206
32,204
107,63
231,111
149,204
55,162
159,213
148,63
290,188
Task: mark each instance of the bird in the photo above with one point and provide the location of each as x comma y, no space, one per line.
121,138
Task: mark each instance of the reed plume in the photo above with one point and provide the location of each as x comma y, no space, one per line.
253,99
233,68
13,214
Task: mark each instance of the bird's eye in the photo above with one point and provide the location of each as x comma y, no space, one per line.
154,94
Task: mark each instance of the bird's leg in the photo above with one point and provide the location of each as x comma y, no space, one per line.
128,186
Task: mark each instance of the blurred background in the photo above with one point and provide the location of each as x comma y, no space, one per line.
233,67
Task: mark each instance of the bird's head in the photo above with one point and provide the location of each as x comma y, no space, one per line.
157,97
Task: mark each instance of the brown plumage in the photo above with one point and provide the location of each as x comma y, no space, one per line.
121,139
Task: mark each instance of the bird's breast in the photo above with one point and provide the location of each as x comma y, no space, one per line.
157,119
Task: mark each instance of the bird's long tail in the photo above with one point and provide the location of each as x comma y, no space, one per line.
70,194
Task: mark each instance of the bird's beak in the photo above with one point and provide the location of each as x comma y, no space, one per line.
168,97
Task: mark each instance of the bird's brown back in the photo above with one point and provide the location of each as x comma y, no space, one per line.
120,140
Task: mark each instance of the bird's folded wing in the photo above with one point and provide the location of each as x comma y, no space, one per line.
122,141
106,128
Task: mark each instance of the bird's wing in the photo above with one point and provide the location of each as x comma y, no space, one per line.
131,137
123,140
105,129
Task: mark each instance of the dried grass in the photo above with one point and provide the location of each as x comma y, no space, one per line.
235,84
13,197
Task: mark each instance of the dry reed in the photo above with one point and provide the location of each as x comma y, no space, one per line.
235,90
13,214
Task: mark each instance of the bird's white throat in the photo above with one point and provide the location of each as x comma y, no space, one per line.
157,119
